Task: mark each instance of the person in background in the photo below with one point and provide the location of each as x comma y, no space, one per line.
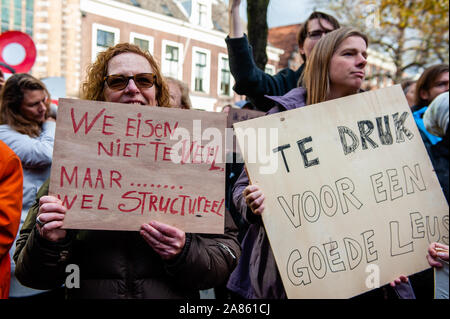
435,120
11,187
432,82
437,256
409,88
160,260
255,83
340,58
25,126
435,251
179,94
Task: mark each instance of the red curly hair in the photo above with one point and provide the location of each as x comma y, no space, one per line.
94,86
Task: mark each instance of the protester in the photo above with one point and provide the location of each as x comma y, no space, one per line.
26,128
435,251
159,261
345,51
253,82
435,120
431,83
434,124
437,255
409,88
11,183
179,94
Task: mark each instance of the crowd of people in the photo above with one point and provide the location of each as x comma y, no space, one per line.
160,260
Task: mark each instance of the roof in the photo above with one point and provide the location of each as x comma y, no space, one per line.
172,9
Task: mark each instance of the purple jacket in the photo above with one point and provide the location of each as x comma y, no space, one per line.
257,276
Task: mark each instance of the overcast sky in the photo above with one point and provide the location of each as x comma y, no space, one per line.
284,12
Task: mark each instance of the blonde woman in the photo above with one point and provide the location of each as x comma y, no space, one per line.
336,68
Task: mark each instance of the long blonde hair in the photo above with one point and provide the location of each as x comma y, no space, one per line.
316,77
94,86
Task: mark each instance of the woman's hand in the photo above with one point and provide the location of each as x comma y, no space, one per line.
254,199
167,241
399,280
50,218
435,251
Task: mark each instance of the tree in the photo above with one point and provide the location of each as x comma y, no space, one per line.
413,33
258,30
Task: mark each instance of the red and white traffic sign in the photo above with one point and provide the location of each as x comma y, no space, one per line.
17,50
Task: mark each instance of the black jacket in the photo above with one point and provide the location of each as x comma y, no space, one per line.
121,265
252,81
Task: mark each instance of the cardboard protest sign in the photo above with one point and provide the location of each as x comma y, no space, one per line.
238,115
234,116
117,166
351,197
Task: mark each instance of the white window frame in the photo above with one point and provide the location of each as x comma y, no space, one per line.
95,28
150,39
208,70
164,66
219,76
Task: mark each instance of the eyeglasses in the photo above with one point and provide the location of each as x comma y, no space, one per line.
119,82
317,34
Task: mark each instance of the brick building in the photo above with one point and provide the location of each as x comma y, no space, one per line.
379,65
187,37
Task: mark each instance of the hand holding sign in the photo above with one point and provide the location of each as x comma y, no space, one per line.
166,240
254,198
51,215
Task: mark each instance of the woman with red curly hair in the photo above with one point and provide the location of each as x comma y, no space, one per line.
159,261
108,78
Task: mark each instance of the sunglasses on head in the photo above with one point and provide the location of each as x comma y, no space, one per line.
119,82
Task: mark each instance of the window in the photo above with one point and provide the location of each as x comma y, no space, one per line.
5,15
17,14
105,39
143,44
202,14
200,70
102,38
172,59
224,77
29,17
143,41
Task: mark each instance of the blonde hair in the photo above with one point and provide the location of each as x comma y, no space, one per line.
316,77
11,98
94,86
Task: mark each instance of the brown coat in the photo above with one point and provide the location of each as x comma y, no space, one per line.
115,264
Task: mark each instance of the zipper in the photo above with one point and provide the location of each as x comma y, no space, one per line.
227,249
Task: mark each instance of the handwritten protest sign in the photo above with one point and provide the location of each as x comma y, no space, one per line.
118,166
234,116
351,198
238,115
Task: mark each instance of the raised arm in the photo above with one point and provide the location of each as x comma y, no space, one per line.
235,23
